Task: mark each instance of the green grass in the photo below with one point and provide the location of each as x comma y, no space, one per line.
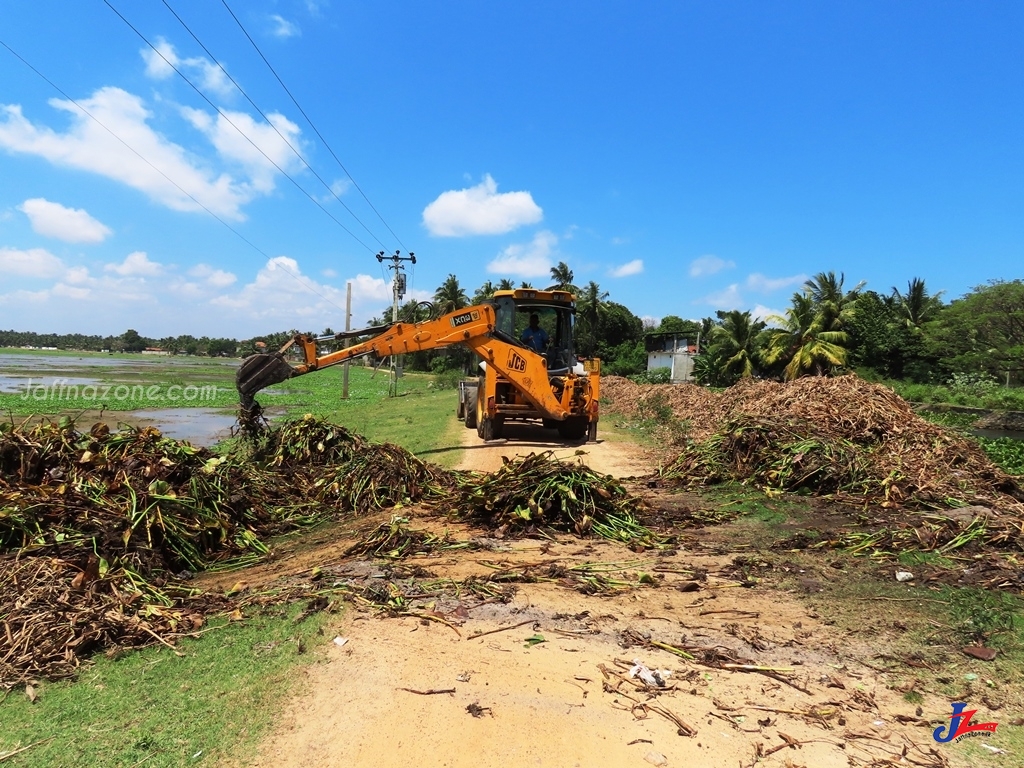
155,709
993,398
914,557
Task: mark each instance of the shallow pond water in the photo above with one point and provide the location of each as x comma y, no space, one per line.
199,426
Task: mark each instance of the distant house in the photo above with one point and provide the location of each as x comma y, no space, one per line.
156,351
673,351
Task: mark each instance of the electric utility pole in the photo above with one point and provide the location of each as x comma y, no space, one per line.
398,291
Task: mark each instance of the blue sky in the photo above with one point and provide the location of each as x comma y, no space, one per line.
686,156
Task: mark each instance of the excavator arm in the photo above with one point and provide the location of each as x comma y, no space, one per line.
473,327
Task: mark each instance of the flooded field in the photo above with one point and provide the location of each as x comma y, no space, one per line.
187,398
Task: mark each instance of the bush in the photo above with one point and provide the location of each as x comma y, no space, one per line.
448,379
655,376
973,384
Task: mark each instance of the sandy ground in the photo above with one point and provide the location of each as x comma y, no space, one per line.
603,455
411,691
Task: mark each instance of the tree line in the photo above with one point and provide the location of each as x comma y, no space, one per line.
910,335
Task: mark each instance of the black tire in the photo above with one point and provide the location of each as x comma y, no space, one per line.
549,423
573,428
491,429
469,407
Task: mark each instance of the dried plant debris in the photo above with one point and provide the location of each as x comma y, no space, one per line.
852,441
52,618
539,491
395,540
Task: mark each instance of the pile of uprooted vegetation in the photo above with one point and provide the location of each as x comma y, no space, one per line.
537,491
98,529
844,437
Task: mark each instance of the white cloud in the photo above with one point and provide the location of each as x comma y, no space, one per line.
136,264
280,296
260,152
24,297
329,272
88,146
533,259
761,312
216,278
620,241
35,262
709,265
76,284
634,267
728,298
161,63
77,275
283,27
72,225
480,210
763,284
65,291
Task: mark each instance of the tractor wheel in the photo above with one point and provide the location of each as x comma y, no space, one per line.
573,428
469,407
491,429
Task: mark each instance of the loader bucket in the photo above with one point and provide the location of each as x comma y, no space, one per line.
259,372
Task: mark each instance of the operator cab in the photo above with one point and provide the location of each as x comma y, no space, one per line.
555,311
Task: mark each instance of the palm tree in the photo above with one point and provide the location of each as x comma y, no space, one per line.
592,309
803,341
505,284
835,306
737,340
563,277
915,306
484,293
450,295
525,284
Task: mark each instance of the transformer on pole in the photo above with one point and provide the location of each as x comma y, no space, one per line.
398,286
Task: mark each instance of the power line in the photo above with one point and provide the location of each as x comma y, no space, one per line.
270,123
181,189
232,124
311,124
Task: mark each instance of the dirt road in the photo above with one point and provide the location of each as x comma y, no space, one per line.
548,683
607,456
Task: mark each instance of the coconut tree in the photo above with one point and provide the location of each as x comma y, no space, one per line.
736,341
505,284
484,293
916,307
563,278
450,295
592,309
803,342
835,305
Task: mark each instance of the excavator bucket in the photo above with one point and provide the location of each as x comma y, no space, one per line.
259,372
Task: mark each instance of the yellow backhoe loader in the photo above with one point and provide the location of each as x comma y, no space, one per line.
527,362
